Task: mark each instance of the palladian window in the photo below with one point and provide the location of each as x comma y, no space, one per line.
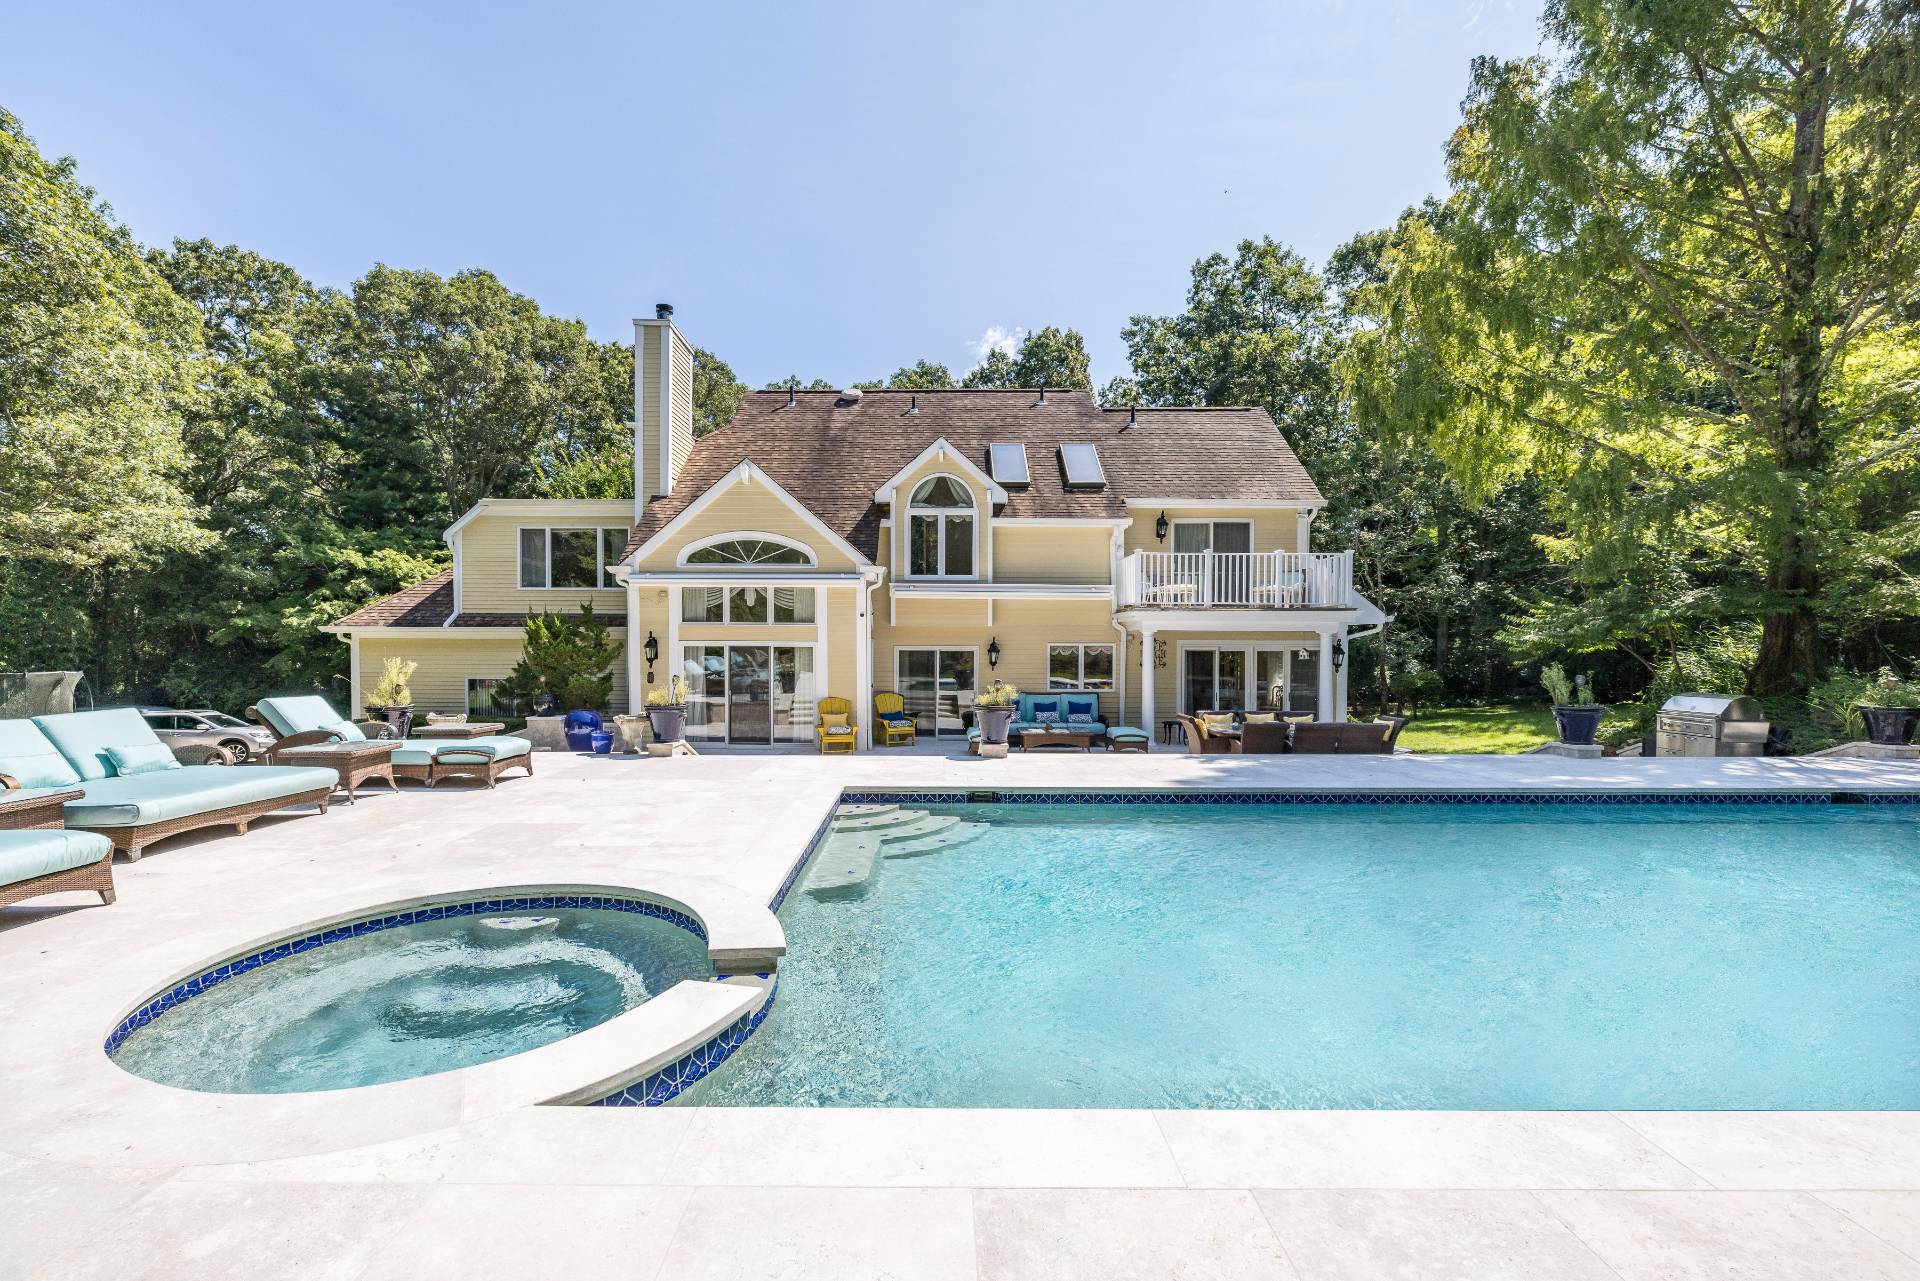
940,530
749,551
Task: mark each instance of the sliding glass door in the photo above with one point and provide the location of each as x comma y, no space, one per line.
750,694
938,686
1213,680
1285,679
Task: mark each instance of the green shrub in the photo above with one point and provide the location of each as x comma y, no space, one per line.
571,659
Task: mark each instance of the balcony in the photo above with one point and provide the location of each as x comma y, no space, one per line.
1236,580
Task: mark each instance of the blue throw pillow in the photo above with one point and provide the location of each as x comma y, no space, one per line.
141,758
894,718
1077,707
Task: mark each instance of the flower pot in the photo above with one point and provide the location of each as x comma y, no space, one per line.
629,731
602,742
546,733
1890,726
580,728
993,723
669,723
1579,725
400,716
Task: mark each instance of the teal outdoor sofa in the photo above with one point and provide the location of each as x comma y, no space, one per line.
1031,711
307,721
133,789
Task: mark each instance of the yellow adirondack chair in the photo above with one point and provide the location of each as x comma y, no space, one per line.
890,710
836,730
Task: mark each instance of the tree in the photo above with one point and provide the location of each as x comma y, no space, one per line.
1047,357
921,375
1676,283
716,392
98,365
571,659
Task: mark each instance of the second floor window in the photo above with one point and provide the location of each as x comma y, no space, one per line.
941,530
556,557
755,603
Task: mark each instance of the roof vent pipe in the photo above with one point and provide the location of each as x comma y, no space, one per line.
793,396
1043,396
663,311
913,403
1133,416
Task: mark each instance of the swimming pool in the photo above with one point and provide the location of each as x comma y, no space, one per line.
1559,956
411,994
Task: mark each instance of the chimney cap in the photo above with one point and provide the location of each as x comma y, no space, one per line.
663,311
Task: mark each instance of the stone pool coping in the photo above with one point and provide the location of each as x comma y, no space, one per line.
472,1171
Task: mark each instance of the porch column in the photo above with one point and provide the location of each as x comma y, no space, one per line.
1325,708
1148,721
1340,683
636,660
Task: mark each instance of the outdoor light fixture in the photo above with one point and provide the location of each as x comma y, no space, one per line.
1339,653
652,650
1160,528
993,653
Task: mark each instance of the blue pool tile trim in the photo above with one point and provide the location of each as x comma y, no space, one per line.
200,983
1275,797
664,1084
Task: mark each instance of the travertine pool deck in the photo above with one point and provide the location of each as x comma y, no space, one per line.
97,1179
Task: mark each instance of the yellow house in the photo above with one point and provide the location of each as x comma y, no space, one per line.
930,543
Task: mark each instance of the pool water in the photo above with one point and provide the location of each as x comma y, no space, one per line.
414,1000
1361,956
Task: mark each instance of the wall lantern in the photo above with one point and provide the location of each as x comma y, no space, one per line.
1339,653
993,653
652,650
1160,527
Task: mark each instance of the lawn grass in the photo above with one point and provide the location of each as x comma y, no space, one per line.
1489,727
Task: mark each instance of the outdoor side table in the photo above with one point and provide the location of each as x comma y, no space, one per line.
459,729
44,809
354,762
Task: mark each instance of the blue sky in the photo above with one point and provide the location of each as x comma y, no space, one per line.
827,190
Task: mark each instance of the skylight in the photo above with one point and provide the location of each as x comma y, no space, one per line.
1082,465
1008,463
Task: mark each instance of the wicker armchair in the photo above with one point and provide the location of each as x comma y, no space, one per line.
1199,741
890,713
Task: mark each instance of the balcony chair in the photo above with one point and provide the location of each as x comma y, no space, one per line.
836,731
890,716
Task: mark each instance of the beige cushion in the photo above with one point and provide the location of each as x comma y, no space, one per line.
837,727
1214,723
1258,718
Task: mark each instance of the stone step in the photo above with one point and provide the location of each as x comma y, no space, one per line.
865,808
882,822
922,824
843,866
960,834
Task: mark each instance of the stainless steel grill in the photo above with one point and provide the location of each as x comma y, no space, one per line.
1711,725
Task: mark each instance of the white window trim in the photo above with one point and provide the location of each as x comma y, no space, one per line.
601,563
817,648
899,686
746,535
1250,652
1080,687
468,703
726,606
938,514
1210,522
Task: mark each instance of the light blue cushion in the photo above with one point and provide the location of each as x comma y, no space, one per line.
347,730
31,758
145,758
1128,732
190,790
25,855
297,713
84,737
419,751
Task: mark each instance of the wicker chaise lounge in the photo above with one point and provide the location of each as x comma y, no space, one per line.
308,721
134,790
38,856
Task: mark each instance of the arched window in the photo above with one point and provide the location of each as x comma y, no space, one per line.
747,549
940,530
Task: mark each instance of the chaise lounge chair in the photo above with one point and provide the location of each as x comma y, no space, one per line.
39,856
134,790
308,722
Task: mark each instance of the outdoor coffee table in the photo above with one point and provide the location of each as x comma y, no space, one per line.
354,762
459,729
45,810
1079,738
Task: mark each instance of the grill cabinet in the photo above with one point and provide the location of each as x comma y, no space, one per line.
1711,725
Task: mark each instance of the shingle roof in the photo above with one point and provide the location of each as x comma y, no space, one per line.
831,455
427,604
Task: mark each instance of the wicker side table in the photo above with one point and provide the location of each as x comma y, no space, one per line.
354,762
44,809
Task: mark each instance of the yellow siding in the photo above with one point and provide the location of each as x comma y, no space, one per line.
1052,554
749,507
490,561
681,411
1024,629
842,629
647,412
1275,529
445,662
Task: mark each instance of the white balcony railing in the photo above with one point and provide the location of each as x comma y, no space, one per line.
1237,580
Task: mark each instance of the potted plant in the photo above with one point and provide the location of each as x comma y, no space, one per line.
1890,706
994,710
667,711
1576,712
392,698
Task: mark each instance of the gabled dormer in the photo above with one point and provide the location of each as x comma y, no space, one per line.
940,510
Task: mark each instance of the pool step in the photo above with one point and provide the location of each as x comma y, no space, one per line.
865,808
921,824
880,821
962,832
843,866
